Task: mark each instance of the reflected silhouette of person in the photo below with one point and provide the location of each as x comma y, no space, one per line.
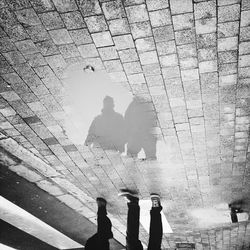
133,221
139,122
100,240
107,129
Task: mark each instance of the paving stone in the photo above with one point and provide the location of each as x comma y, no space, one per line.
35,60
244,72
164,33
48,187
60,36
175,91
165,48
228,29
74,60
89,8
139,89
145,44
157,4
184,37
206,40
19,5
71,202
171,72
244,33
207,54
17,33
160,17
102,39
108,53
37,33
119,26
228,69
80,36
42,6
137,13
184,21
244,60
188,63
227,57
190,74
192,90
168,60
204,26
69,50
124,42
245,19
230,43
113,9
178,6
136,79
208,66
128,55
14,57
113,65
47,47
228,13
141,29
32,119
151,69
70,148
96,23
187,50
7,17
36,106
148,57
65,6
6,44
132,67
57,63
12,78
205,9
244,48
227,2
133,2
155,80
88,50
73,20
26,47
5,67
245,5
51,20
228,80
10,96
28,17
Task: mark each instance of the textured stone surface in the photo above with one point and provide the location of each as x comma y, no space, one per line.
188,60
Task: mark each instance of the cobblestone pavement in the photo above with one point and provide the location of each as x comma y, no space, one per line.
188,60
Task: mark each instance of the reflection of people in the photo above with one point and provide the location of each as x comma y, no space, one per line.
100,240
139,122
107,130
155,232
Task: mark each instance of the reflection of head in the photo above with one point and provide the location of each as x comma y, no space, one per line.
108,102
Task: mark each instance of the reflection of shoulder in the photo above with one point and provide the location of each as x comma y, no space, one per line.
118,115
97,118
